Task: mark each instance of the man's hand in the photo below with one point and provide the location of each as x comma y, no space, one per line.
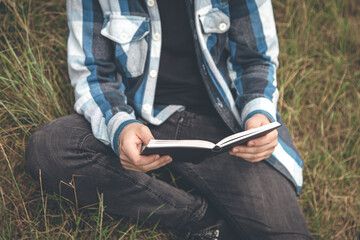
260,148
130,141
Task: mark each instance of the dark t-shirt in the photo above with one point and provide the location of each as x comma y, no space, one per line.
179,80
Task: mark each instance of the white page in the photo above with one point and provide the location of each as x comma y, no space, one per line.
180,143
241,135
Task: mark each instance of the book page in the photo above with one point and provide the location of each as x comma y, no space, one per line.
180,144
242,135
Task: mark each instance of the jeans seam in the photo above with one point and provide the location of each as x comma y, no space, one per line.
143,186
179,125
81,143
214,198
124,174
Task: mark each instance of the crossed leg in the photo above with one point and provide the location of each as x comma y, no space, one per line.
256,200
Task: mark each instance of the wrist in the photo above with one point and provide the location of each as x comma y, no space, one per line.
260,105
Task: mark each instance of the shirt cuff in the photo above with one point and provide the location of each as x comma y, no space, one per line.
258,105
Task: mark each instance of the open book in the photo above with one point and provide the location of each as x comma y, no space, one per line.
197,150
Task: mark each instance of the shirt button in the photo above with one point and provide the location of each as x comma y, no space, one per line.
222,27
147,108
150,3
153,73
156,36
123,36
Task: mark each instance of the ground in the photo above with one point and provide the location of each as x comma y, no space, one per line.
319,83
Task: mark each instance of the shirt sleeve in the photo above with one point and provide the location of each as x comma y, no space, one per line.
99,90
254,51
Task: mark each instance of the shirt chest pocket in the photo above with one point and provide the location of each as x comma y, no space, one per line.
129,33
215,25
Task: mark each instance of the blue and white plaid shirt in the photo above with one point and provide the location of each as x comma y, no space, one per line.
114,54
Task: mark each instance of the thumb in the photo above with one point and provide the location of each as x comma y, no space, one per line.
145,134
256,121
252,123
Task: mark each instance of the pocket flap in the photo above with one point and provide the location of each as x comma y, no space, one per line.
215,21
125,29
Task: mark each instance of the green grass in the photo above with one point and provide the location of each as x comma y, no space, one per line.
319,82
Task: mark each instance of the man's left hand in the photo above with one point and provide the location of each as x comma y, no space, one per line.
260,148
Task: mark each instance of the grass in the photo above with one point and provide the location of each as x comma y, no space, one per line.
319,82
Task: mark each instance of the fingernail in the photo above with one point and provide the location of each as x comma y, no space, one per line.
157,157
251,143
235,150
168,159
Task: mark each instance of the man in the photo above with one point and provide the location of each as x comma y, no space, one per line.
171,69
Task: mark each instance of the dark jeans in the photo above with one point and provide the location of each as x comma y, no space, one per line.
255,200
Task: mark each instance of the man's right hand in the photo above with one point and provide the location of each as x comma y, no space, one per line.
130,141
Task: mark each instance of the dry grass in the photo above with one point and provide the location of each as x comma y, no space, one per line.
319,81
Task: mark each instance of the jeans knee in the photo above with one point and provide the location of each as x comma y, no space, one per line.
38,151
31,154
57,149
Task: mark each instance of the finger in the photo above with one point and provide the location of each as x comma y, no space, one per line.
140,160
253,157
155,164
257,159
130,149
132,153
248,155
128,166
256,121
256,149
264,140
145,134
252,124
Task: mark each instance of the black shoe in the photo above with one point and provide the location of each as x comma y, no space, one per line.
218,231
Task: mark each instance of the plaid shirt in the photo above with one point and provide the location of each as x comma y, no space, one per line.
114,54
